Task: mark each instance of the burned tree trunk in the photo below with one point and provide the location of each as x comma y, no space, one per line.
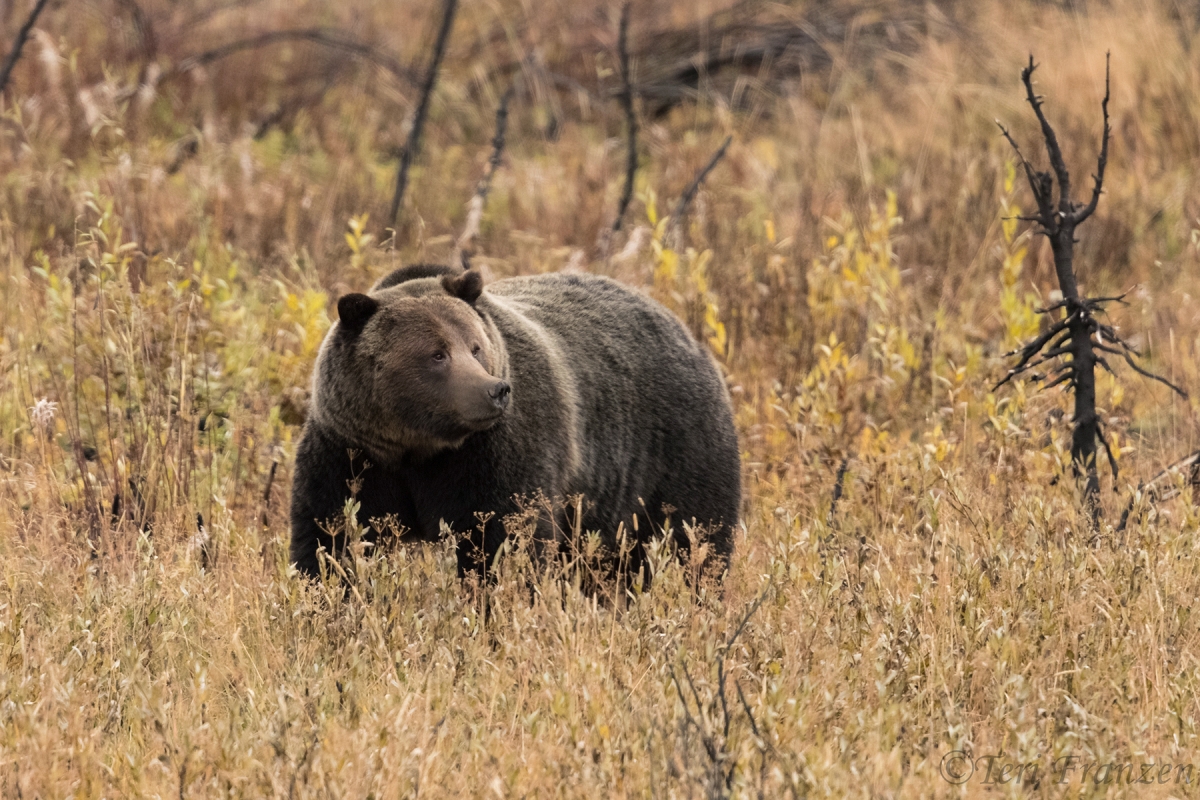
1077,333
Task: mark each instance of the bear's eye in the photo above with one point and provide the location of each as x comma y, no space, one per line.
475,350
439,356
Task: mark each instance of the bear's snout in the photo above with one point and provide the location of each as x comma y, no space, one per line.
500,394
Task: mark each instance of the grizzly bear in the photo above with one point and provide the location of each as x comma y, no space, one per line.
442,404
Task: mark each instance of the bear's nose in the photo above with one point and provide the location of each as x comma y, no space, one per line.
499,394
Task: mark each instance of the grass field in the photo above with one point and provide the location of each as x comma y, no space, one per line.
172,243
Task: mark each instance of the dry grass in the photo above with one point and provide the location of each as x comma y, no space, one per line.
165,282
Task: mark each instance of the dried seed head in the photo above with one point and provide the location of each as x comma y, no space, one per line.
43,413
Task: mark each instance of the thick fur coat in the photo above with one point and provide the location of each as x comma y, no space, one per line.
553,386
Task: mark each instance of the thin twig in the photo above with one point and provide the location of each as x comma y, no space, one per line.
1029,171
449,7
1102,162
19,42
1112,459
690,194
479,200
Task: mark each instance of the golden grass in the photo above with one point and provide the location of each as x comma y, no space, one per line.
848,260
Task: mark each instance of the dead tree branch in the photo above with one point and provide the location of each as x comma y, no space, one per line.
631,126
1156,489
449,7
325,37
838,488
19,43
1078,333
685,200
462,250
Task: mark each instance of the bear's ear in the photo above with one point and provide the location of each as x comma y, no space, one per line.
467,286
355,309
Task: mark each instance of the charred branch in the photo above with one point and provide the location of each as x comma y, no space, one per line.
1051,140
1031,350
14,53
449,7
1098,185
1153,376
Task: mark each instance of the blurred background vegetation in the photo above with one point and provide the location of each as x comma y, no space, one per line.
181,199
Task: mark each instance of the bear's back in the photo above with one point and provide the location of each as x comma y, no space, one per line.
572,304
652,403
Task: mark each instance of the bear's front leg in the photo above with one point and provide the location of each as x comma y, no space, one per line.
328,473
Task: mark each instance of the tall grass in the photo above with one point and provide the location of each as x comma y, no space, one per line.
168,265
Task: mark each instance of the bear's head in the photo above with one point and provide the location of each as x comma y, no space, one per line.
412,369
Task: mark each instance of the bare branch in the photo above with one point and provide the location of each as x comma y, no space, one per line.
475,209
1146,373
1150,487
1032,349
1102,162
1109,334
326,37
1052,307
1096,302
1052,147
1067,375
688,196
449,7
1112,460
631,126
1030,174
19,43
